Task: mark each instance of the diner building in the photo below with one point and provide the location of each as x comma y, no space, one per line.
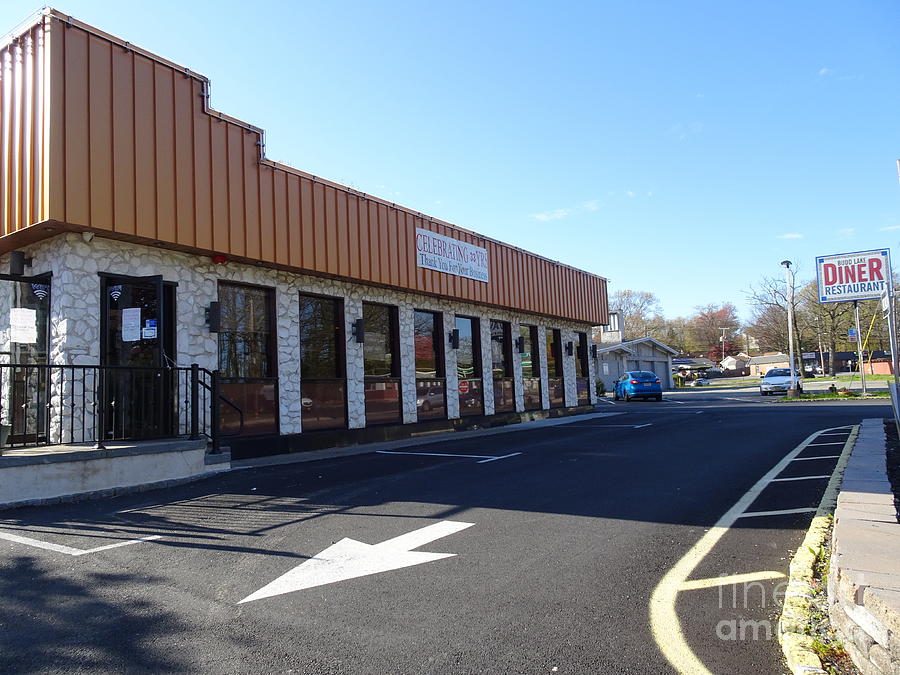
144,232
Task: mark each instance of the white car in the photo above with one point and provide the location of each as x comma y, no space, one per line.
779,380
699,382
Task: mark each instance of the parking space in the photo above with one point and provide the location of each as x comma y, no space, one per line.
727,590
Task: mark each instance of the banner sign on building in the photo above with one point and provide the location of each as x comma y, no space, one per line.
863,275
443,254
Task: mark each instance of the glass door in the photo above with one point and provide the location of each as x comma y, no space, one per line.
137,336
25,394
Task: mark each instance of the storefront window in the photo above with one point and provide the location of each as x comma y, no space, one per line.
555,380
501,367
382,364
431,399
247,359
582,371
468,367
531,367
322,380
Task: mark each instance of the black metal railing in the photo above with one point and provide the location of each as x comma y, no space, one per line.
59,404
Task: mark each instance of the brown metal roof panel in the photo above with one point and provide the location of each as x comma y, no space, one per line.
280,216
100,133
123,163
218,165
307,224
185,199
236,225
353,235
320,237
294,235
164,115
253,232
201,166
144,148
77,162
267,218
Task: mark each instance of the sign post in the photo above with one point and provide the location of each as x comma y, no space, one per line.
859,348
887,312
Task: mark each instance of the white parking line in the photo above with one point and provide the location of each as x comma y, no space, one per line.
69,550
485,458
776,480
664,621
809,459
813,445
781,512
672,400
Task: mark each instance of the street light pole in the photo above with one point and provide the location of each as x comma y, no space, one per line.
792,392
722,340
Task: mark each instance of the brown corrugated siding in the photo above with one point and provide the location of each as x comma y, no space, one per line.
120,141
23,152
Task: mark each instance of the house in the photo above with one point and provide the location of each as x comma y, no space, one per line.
760,365
645,353
692,365
738,362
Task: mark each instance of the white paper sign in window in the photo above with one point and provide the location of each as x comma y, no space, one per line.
23,325
131,324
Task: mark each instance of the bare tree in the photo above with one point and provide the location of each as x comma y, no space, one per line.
641,312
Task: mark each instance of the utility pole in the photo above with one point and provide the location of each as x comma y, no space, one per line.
792,392
722,340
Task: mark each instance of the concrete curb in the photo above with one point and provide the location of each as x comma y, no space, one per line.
796,613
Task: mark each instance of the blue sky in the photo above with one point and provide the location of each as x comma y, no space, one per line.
680,148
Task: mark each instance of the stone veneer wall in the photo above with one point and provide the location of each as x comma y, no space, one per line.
75,324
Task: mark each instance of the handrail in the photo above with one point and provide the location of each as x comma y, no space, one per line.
227,402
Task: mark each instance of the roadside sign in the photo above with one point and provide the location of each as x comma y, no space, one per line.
808,355
463,386
851,335
845,277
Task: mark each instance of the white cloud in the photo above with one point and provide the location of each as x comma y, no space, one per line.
890,227
790,235
591,205
629,193
555,214
846,232
823,72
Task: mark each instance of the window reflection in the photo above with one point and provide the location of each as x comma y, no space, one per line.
322,380
468,366
501,366
531,368
247,359
431,400
381,364
555,382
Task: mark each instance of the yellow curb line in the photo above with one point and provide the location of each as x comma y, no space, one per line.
793,625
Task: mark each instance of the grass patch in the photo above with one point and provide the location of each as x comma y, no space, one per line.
839,396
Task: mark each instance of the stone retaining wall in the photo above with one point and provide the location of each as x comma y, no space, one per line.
864,579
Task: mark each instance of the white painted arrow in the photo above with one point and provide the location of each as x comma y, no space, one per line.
349,559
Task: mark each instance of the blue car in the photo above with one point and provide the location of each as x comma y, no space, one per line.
638,384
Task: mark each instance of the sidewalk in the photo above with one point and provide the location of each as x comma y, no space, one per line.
864,579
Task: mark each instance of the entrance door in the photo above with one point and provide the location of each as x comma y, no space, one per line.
137,339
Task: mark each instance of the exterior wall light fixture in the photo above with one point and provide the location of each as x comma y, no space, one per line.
359,330
569,348
214,317
520,344
454,338
594,351
18,262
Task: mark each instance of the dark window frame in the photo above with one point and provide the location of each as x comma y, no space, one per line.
340,335
272,341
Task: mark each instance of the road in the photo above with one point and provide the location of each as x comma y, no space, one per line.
552,553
